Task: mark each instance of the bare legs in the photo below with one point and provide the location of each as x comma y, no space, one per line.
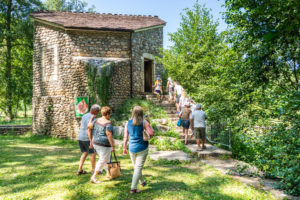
82,159
185,132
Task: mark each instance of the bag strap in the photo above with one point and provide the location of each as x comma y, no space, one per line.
115,157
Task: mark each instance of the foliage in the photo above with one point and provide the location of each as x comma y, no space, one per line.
246,76
99,84
123,113
42,169
17,121
170,133
267,33
68,5
168,144
16,50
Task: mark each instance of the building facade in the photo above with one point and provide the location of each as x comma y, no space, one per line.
67,45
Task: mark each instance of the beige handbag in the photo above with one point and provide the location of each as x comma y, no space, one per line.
113,168
146,136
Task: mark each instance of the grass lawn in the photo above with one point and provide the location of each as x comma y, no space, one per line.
16,121
36,167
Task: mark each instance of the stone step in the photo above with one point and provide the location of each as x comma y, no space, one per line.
173,116
167,105
190,141
190,136
210,151
171,111
169,155
150,96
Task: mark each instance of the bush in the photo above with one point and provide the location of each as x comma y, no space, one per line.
123,113
166,144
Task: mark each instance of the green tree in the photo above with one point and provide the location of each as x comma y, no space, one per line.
201,61
71,5
15,47
267,32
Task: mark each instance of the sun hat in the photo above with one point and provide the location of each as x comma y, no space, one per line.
187,104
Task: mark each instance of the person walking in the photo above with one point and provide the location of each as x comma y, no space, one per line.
170,89
198,126
177,90
138,148
182,101
100,135
185,120
158,87
84,141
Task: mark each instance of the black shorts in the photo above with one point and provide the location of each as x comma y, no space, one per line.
84,147
158,91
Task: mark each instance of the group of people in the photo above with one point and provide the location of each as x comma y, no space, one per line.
95,137
191,114
96,134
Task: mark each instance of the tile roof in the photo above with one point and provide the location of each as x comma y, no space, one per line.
96,21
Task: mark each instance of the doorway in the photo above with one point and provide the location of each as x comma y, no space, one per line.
148,64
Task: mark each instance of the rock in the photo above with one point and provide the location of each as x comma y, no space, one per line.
162,128
170,155
160,121
118,131
166,138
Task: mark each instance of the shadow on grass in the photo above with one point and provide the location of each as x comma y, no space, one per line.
26,167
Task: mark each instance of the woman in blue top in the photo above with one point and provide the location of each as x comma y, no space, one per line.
138,148
100,135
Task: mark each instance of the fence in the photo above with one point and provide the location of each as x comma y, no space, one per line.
219,133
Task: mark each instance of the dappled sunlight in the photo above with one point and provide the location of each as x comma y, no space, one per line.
50,173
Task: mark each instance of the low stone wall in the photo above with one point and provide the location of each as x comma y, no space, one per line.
15,129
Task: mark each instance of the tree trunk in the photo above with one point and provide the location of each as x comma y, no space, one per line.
25,110
8,89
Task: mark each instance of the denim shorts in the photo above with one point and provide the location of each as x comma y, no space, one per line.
185,123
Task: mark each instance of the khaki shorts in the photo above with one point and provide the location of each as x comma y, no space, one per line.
199,133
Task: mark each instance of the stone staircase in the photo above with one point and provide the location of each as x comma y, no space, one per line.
173,117
211,151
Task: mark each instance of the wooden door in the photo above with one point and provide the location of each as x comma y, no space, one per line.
148,75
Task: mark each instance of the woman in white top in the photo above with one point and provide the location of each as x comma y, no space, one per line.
170,89
183,100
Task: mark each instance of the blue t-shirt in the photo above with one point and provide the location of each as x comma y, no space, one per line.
83,132
136,141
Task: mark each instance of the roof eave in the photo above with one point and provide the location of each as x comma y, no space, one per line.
95,29
150,27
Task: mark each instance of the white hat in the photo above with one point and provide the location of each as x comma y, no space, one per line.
187,104
198,106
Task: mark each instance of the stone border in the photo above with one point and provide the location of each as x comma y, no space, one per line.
15,129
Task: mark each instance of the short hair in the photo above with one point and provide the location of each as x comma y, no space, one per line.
105,111
95,108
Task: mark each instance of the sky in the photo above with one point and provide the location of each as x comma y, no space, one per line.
167,10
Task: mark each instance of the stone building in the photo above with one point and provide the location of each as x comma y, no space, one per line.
67,45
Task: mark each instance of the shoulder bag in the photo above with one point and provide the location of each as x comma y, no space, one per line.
113,168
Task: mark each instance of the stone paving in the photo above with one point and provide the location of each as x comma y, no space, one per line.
170,155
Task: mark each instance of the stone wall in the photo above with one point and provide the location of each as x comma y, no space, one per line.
14,129
146,42
100,44
59,75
